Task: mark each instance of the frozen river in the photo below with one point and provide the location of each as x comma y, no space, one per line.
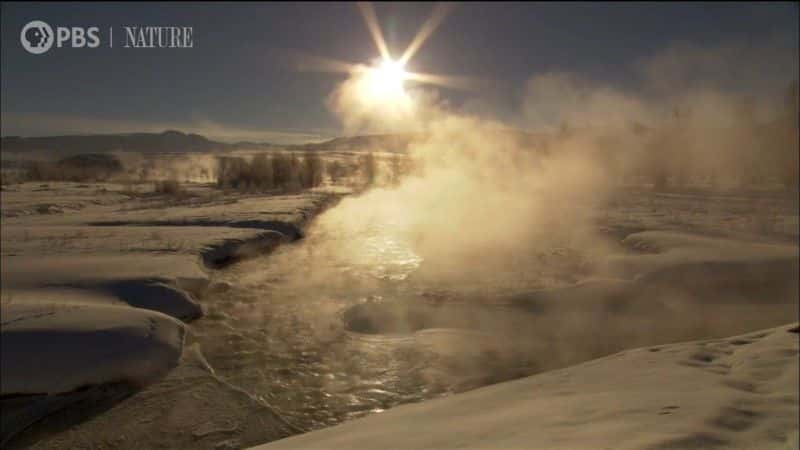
352,321
363,315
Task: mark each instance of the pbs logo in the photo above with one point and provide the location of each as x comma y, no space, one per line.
37,37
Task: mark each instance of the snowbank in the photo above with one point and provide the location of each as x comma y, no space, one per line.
94,276
713,269
107,279
665,269
232,250
659,249
734,393
59,347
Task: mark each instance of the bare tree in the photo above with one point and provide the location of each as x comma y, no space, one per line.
261,171
368,168
335,170
396,168
282,170
311,170
787,144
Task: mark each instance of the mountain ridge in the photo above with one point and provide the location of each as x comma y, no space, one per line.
173,141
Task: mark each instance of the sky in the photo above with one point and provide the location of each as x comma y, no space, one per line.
239,80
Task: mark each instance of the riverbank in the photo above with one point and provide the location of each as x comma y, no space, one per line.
354,320
98,283
739,392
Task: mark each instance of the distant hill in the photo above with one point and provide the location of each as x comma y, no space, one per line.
397,143
167,142
375,142
178,142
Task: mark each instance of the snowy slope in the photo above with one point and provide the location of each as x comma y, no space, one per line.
735,393
59,347
94,278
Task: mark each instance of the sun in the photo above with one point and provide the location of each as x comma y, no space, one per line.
386,79
384,82
390,74
386,88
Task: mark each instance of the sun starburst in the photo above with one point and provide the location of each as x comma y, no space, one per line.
386,79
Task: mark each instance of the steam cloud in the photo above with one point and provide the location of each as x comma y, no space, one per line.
698,112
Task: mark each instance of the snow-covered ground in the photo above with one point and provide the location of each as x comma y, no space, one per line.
97,281
676,275
54,347
734,393
85,263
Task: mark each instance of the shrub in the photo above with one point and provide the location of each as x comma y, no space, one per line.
77,168
168,187
368,168
282,171
335,170
311,171
261,173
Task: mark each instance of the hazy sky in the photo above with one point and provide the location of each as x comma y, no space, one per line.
237,83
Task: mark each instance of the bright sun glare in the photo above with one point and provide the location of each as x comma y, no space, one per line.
382,84
391,74
385,82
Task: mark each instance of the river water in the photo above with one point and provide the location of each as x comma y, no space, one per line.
357,317
363,315
351,321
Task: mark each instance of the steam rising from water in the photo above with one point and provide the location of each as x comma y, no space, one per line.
478,189
477,212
